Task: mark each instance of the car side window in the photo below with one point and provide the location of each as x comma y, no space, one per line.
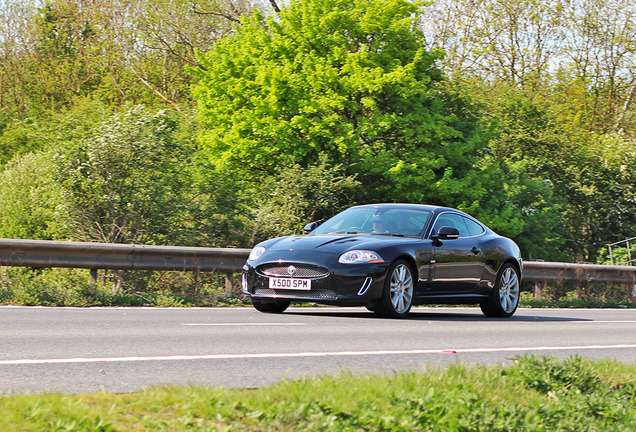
473,227
454,221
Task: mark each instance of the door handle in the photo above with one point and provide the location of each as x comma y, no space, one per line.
475,250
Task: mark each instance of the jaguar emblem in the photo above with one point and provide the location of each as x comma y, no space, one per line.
291,270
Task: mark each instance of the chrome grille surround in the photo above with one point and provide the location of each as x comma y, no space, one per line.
319,294
301,270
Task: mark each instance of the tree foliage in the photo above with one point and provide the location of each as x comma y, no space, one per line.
31,204
557,77
580,52
349,80
119,51
518,112
125,182
287,202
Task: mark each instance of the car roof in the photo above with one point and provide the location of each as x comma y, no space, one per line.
427,207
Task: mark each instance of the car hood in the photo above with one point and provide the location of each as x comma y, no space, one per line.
335,244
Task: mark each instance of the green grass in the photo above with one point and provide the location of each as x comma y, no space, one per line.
534,394
570,300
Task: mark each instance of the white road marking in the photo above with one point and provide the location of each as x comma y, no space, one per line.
242,324
605,322
308,354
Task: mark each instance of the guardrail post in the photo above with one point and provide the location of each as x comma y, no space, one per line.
93,275
229,283
538,287
538,290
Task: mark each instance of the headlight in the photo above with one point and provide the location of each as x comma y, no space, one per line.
360,257
256,253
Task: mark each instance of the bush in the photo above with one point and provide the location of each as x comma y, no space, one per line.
296,196
73,287
128,180
620,255
31,203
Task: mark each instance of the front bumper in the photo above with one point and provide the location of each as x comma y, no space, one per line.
347,285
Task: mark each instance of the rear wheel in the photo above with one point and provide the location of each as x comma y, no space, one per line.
397,296
504,298
270,306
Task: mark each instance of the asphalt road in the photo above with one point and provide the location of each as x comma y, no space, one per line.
125,349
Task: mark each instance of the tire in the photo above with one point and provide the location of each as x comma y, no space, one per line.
272,306
504,298
397,296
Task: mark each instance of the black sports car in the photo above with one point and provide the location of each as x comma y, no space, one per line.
388,257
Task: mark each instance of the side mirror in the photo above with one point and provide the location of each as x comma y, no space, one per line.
310,227
446,233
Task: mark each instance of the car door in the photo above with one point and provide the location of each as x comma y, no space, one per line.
458,264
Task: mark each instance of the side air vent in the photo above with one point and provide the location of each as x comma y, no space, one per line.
365,286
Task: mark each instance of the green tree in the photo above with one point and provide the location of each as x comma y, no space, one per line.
31,203
574,190
347,79
119,51
65,44
16,47
603,199
297,196
127,182
19,136
599,86
219,208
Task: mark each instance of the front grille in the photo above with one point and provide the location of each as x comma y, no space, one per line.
313,294
302,270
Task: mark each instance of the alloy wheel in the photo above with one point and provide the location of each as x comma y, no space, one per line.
401,288
509,290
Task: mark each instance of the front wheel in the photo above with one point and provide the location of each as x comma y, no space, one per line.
272,306
397,296
504,298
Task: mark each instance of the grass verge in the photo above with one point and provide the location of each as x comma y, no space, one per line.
534,394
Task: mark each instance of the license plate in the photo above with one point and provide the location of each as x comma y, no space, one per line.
290,284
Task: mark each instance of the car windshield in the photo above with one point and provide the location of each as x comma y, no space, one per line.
392,221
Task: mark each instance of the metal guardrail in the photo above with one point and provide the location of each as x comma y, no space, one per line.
534,271
42,253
